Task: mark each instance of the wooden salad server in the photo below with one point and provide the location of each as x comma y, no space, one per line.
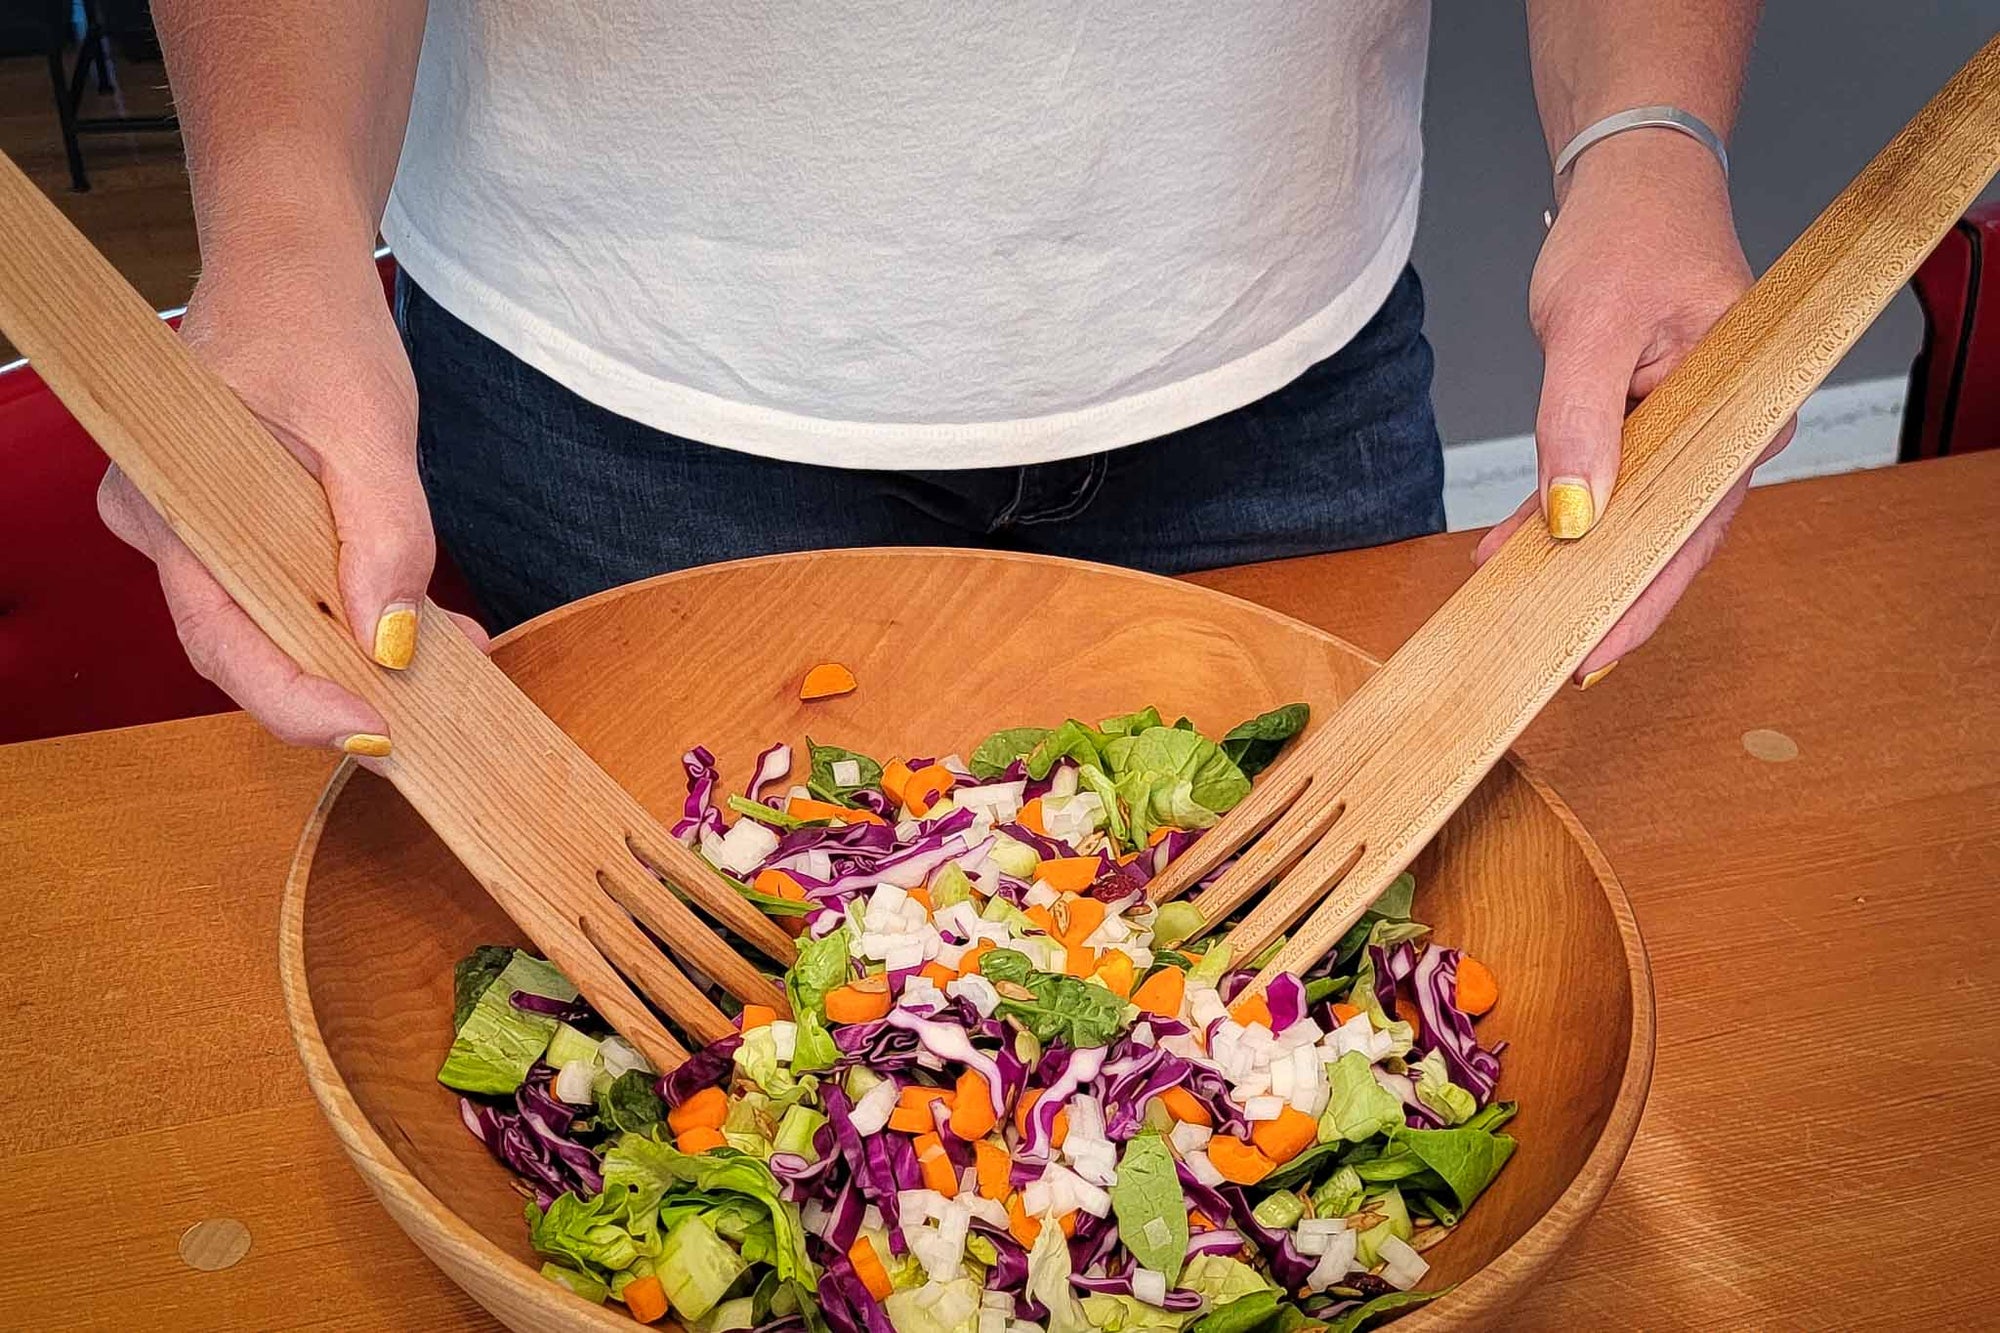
1363,794
566,852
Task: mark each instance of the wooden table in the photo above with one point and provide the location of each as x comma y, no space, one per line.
1819,1148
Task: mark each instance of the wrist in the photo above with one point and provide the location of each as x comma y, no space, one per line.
1646,163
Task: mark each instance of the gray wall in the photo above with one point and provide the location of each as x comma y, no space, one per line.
1831,81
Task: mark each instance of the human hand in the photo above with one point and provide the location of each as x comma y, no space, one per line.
1642,260
313,352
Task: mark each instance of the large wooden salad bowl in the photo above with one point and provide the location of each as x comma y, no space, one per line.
947,645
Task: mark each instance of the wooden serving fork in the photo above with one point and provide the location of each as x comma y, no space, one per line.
565,851
1351,807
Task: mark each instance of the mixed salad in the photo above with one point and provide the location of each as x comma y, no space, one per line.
1011,1094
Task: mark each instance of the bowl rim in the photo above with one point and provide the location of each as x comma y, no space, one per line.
1497,1285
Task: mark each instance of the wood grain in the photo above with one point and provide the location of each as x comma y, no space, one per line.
621,666
535,818
1781,904
1376,782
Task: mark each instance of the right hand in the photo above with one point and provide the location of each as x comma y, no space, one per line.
316,356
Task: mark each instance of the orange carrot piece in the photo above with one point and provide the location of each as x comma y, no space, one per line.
895,776
1286,1137
646,1299
1344,1012
1185,1107
1117,972
1023,1227
913,1114
1030,818
1162,993
1251,1009
969,965
825,681
993,1168
1026,1106
1044,919
935,1165
1067,1222
1078,961
972,1115
757,1016
1068,874
1079,917
706,1109
1199,1221
802,807
1477,989
923,896
861,1001
777,884
1240,1163
1159,835
869,1268
937,974
699,1140
1408,1013
924,788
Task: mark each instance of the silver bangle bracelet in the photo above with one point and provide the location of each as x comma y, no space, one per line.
1640,118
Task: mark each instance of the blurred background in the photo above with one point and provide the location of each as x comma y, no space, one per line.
1831,81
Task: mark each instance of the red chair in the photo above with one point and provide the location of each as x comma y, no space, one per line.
1954,402
85,639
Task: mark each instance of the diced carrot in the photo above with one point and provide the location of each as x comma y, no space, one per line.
1044,919
1024,1107
1116,971
706,1109
869,1268
1408,1013
1023,1227
938,974
1067,1222
1068,874
777,884
757,1016
921,895
1477,990
924,788
935,1164
1162,993
699,1140
860,1001
994,1169
972,1115
1240,1163
1159,835
1030,818
1343,1013
1185,1107
970,964
1199,1220
1128,858
895,775
1078,961
1286,1137
1251,1009
913,1114
825,681
646,1299
801,807
1079,917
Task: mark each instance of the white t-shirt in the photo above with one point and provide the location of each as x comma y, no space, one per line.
914,233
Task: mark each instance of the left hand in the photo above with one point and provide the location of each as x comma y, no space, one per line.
1642,259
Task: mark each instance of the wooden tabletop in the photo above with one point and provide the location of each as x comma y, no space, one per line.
1798,782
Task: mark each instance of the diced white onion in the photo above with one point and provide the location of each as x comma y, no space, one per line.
619,1056
785,1034
847,772
1263,1108
573,1083
1334,1261
1200,1168
1063,782
1402,1267
871,1113
1039,894
1149,1286
1188,1137
744,847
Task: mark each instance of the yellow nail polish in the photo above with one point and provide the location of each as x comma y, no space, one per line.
1593,677
396,637
1571,510
366,744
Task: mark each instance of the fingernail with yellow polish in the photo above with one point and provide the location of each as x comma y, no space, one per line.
1591,678
366,744
1571,510
396,636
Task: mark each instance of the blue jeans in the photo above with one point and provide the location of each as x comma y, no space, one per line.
542,497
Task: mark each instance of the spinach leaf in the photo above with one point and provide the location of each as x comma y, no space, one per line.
822,783
1052,1006
1002,748
1467,1159
1493,1116
630,1104
1392,906
1152,1215
1000,965
474,973
1305,1166
1390,1303
1326,988
1258,1312
822,965
1255,744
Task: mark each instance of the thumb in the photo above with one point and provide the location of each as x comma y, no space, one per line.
386,549
1586,385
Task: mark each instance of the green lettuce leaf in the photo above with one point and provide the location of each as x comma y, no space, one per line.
1174,923
1152,1214
597,1236
1254,745
822,783
1117,821
815,1048
918,1310
656,1170
474,973
822,965
1128,1314
1359,1107
583,1284
497,1043
1127,723
1002,748
1048,1282
1390,1303
697,1267
1072,740
1258,1312
1449,1102
1338,1195
1221,1279
1170,777
1466,1159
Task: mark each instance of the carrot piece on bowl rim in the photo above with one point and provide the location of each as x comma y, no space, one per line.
825,681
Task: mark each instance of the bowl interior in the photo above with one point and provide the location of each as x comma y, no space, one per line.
947,646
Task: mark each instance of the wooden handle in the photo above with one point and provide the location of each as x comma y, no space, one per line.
1420,734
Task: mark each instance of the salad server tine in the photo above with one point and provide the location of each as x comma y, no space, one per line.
1411,744
565,851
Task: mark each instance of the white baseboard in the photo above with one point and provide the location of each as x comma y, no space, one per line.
1841,429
